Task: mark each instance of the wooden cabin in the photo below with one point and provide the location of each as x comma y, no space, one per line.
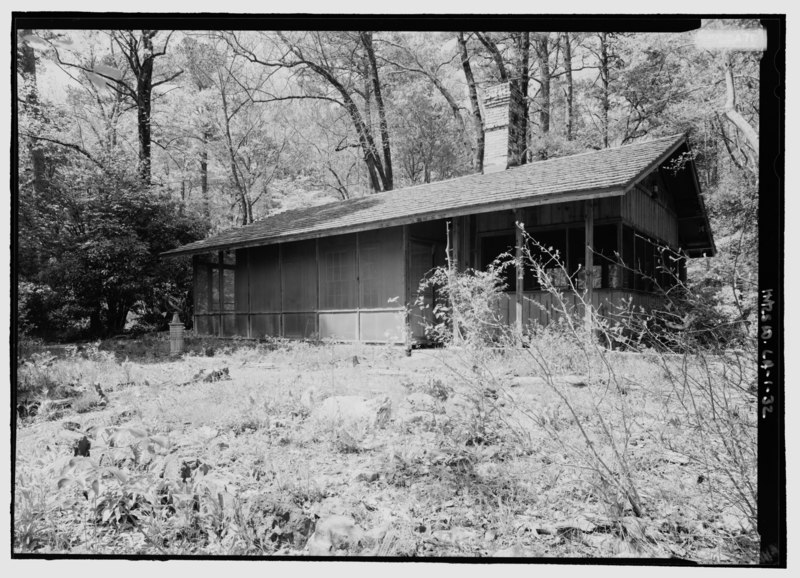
347,270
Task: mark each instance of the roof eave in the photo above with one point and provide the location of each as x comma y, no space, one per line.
410,219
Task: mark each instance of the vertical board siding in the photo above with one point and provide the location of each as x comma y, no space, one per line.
650,215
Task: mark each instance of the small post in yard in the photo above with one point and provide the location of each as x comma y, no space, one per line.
175,335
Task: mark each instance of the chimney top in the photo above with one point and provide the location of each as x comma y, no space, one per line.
496,100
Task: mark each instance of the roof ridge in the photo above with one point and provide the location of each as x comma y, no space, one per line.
673,137
475,175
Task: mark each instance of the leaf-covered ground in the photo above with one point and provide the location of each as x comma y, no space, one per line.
298,449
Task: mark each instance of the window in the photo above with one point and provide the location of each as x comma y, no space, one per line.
209,295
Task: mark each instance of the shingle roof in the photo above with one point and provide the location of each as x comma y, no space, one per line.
596,173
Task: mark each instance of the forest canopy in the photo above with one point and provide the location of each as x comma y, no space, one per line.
132,142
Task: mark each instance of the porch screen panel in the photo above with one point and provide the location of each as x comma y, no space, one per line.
201,293
202,324
380,268
241,281
265,325
299,325
338,326
337,268
382,326
229,325
265,280
299,276
242,325
215,322
215,303
228,289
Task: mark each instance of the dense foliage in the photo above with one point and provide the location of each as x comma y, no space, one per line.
132,142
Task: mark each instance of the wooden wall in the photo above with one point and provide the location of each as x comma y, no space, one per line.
346,287
650,214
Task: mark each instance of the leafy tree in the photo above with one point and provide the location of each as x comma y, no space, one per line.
104,263
132,76
341,61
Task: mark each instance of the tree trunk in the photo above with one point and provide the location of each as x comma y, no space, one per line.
544,80
570,86
371,159
144,90
477,121
204,177
366,39
518,104
494,52
234,168
732,114
375,169
604,80
31,101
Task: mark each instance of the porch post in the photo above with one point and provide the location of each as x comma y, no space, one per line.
406,291
452,244
195,282
221,292
588,210
518,225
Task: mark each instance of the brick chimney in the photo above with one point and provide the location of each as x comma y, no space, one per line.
496,100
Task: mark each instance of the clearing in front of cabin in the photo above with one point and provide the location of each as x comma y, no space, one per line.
286,448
